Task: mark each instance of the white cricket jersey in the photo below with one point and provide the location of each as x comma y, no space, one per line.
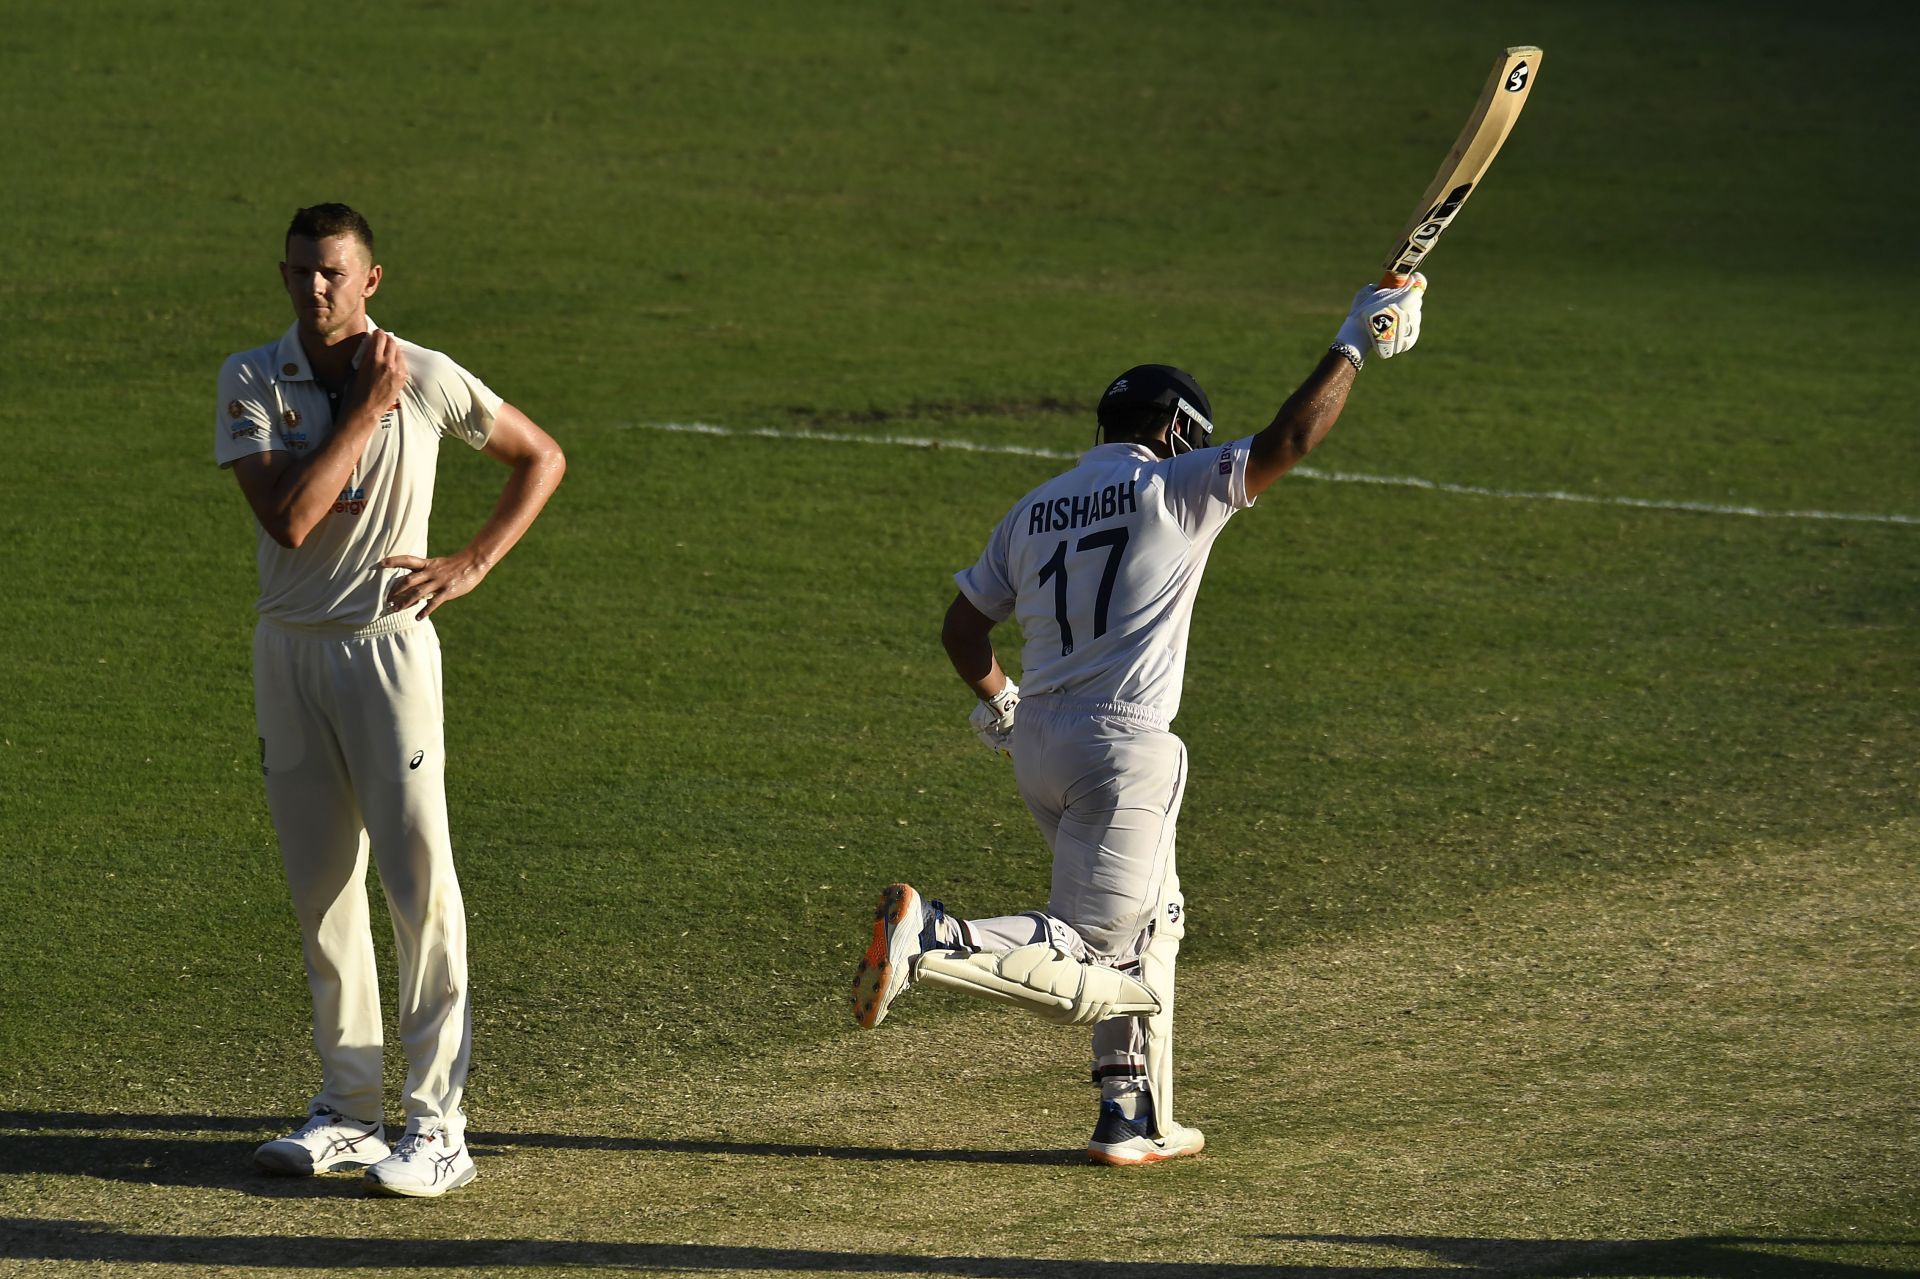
270,402
1101,565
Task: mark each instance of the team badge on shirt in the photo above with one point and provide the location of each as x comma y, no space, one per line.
291,417
241,427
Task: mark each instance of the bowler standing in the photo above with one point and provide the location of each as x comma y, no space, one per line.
333,431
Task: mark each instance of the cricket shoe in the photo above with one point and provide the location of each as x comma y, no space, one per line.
423,1165
328,1140
904,925
1126,1143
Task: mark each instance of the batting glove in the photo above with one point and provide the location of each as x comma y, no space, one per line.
993,719
1386,321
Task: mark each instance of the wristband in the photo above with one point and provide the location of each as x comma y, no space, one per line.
1352,353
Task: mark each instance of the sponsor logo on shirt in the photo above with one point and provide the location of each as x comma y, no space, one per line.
352,501
296,440
247,431
1226,461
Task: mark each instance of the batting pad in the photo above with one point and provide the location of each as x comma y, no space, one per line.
1041,979
1157,964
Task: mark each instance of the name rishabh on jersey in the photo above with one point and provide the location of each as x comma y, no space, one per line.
1077,512
1101,565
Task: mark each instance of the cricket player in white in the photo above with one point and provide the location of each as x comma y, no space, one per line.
1100,566
333,432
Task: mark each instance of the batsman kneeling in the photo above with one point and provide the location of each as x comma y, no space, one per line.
1101,565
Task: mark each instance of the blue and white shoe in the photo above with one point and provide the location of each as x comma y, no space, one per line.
424,1164
904,925
328,1140
1127,1143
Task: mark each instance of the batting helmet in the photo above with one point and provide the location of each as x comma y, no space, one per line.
1144,391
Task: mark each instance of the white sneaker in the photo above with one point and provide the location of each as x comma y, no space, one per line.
1125,1143
423,1165
328,1140
902,927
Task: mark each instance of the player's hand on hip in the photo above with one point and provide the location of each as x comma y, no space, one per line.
431,582
993,719
382,374
1384,321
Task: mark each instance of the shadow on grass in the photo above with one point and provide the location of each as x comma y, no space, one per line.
91,1145
1691,1257
1704,1258
779,1150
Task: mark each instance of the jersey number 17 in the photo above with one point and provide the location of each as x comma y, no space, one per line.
1056,569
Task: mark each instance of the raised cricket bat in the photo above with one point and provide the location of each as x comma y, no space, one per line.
1488,126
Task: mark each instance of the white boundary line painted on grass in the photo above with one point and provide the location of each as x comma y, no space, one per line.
1307,472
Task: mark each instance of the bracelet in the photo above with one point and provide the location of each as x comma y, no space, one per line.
1353,356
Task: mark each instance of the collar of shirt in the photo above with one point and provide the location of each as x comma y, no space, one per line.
290,358
1102,452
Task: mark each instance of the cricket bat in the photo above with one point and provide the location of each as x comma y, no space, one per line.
1488,126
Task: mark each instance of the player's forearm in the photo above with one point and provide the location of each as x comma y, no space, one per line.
986,685
1302,422
966,636
305,490
533,481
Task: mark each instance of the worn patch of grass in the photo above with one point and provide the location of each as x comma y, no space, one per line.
1695,1072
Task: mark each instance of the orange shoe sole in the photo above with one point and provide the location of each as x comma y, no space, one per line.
873,982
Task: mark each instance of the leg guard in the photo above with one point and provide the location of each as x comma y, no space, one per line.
1042,979
1156,970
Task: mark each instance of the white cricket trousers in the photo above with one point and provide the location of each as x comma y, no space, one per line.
1104,784
353,750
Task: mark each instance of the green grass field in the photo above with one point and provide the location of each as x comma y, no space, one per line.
1551,864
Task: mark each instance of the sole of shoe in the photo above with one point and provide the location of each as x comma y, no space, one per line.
882,974
1134,1155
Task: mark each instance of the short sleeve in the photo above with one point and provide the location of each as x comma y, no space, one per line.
461,406
1206,486
988,585
243,423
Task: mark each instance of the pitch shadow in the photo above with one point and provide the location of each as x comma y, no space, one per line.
89,1242
119,1147
1691,1257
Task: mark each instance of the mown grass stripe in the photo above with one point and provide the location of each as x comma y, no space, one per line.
1306,472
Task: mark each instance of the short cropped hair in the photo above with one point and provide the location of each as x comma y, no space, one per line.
324,221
